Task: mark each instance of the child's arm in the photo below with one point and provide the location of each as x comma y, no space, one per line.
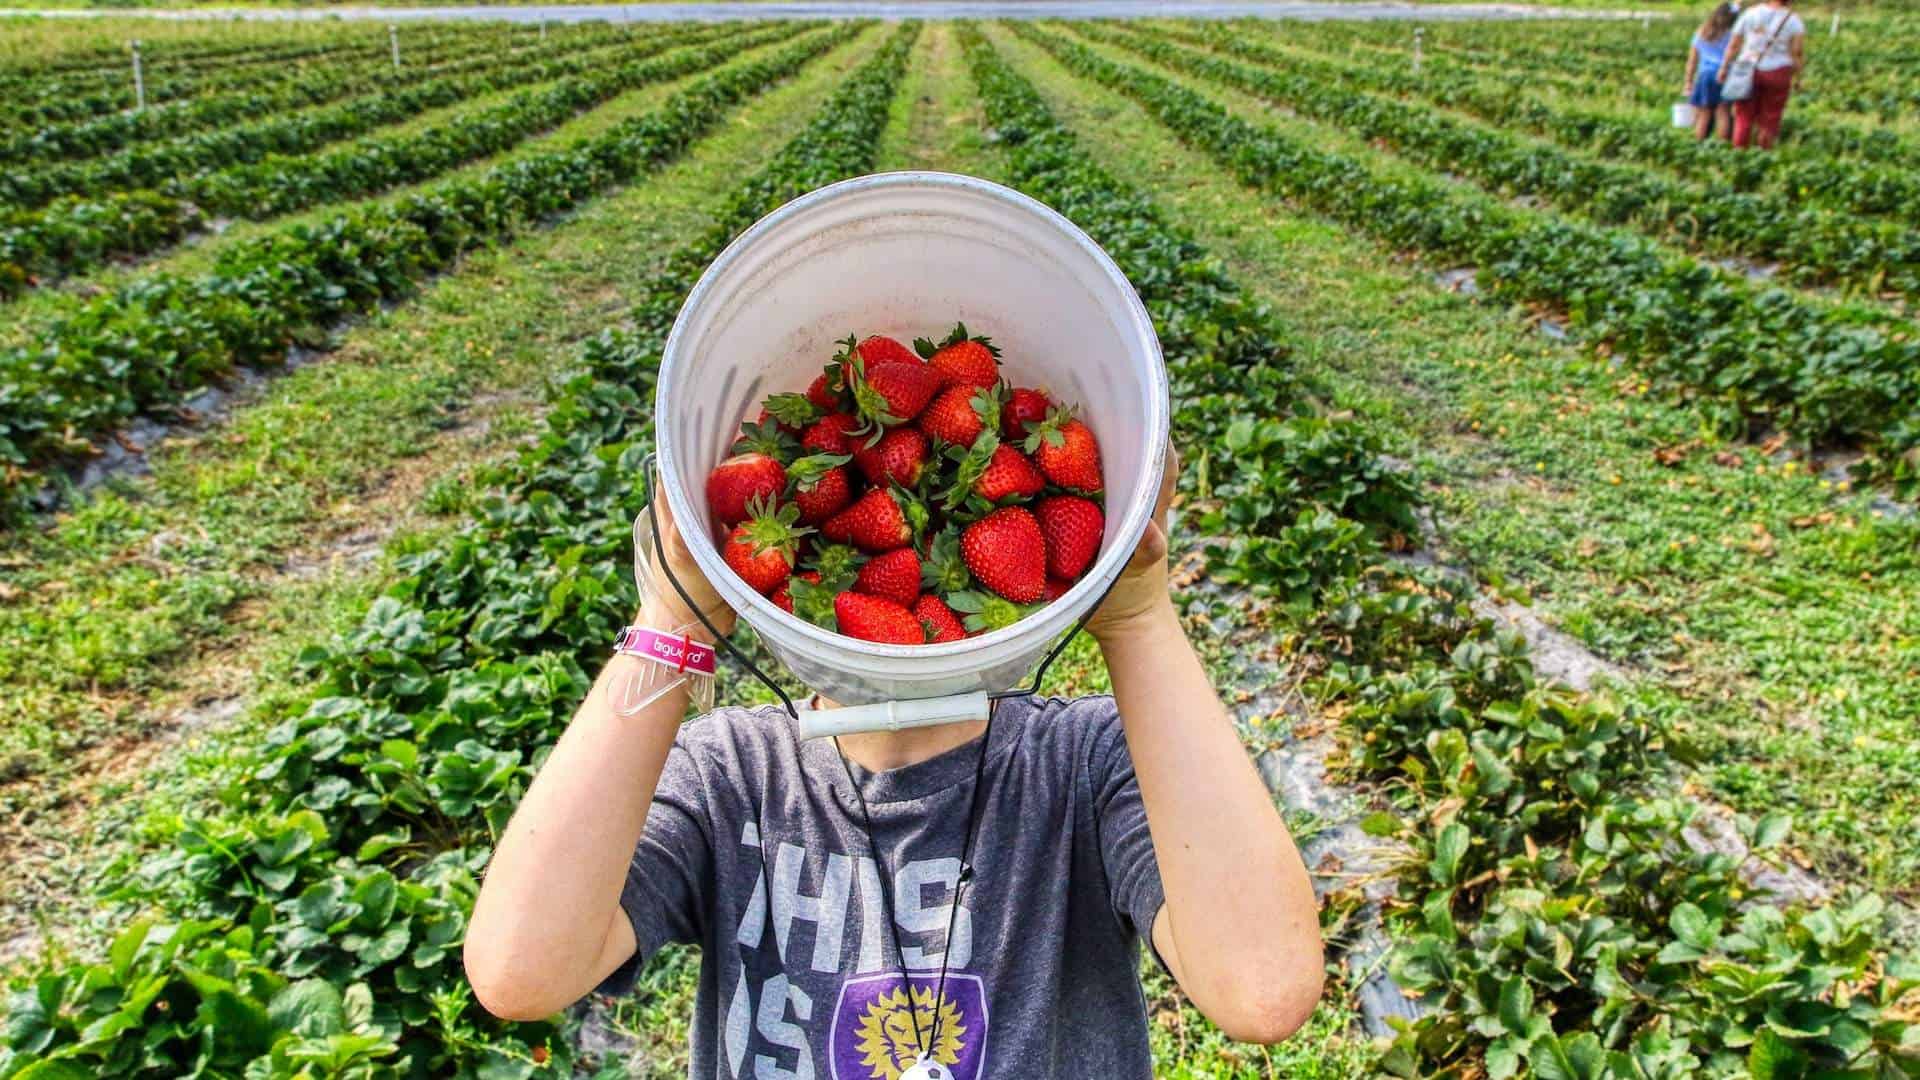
548,925
1240,928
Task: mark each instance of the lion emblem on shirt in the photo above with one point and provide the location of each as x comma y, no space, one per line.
874,1036
891,1031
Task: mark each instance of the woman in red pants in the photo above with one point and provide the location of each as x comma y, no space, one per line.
1774,39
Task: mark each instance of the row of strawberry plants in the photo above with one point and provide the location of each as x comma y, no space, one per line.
1554,917
29,111
42,84
1871,86
1851,70
158,337
1818,247
1854,186
1834,83
1742,351
156,163
1556,920
1809,130
109,53
76,234
99,135
316,913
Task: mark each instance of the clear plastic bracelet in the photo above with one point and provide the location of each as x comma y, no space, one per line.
646,681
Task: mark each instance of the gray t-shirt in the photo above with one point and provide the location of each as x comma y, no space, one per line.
1042,978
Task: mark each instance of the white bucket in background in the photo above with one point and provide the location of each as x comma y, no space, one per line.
1683,115
906,254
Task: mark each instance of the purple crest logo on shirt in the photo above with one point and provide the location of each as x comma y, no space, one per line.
873,1026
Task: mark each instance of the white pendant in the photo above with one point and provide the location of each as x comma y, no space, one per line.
927,1070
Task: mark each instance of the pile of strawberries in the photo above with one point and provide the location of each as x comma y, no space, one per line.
911,495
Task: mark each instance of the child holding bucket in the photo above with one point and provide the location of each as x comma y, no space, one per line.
945,902
1701,84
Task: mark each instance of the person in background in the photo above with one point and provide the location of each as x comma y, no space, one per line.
1776,39
1711,114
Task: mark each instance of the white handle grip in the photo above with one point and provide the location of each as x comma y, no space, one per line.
893,715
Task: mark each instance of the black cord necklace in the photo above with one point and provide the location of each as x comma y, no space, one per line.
924,1068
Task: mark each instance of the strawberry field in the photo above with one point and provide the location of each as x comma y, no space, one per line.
1547,512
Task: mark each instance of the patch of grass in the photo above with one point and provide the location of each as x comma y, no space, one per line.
1773,609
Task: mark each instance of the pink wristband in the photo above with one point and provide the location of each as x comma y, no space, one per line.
676,651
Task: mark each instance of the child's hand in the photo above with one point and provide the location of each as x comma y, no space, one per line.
1141,595
660,605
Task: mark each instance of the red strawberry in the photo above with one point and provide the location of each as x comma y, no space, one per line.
944,571
892,394
875,522
791,411
981,612
1073,527
885,350
811,599
895,575
1067,452
1023,407
741,478
896,459
939,621
825,390
1007,553
831,434
834,566
783,596
1056,589
965,361
821,487
1008,474
959,414
762,548
872,618
764,437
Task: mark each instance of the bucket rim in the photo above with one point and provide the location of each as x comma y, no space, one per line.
757,608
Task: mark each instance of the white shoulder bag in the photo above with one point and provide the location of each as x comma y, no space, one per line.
1739,84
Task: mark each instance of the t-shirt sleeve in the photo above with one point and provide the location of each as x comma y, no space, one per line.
668,882
1126,847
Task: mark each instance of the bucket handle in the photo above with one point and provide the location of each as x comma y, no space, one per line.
882,717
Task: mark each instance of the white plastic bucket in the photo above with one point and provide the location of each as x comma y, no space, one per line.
906,254
1683,114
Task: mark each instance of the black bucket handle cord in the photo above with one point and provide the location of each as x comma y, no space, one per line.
1032,689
